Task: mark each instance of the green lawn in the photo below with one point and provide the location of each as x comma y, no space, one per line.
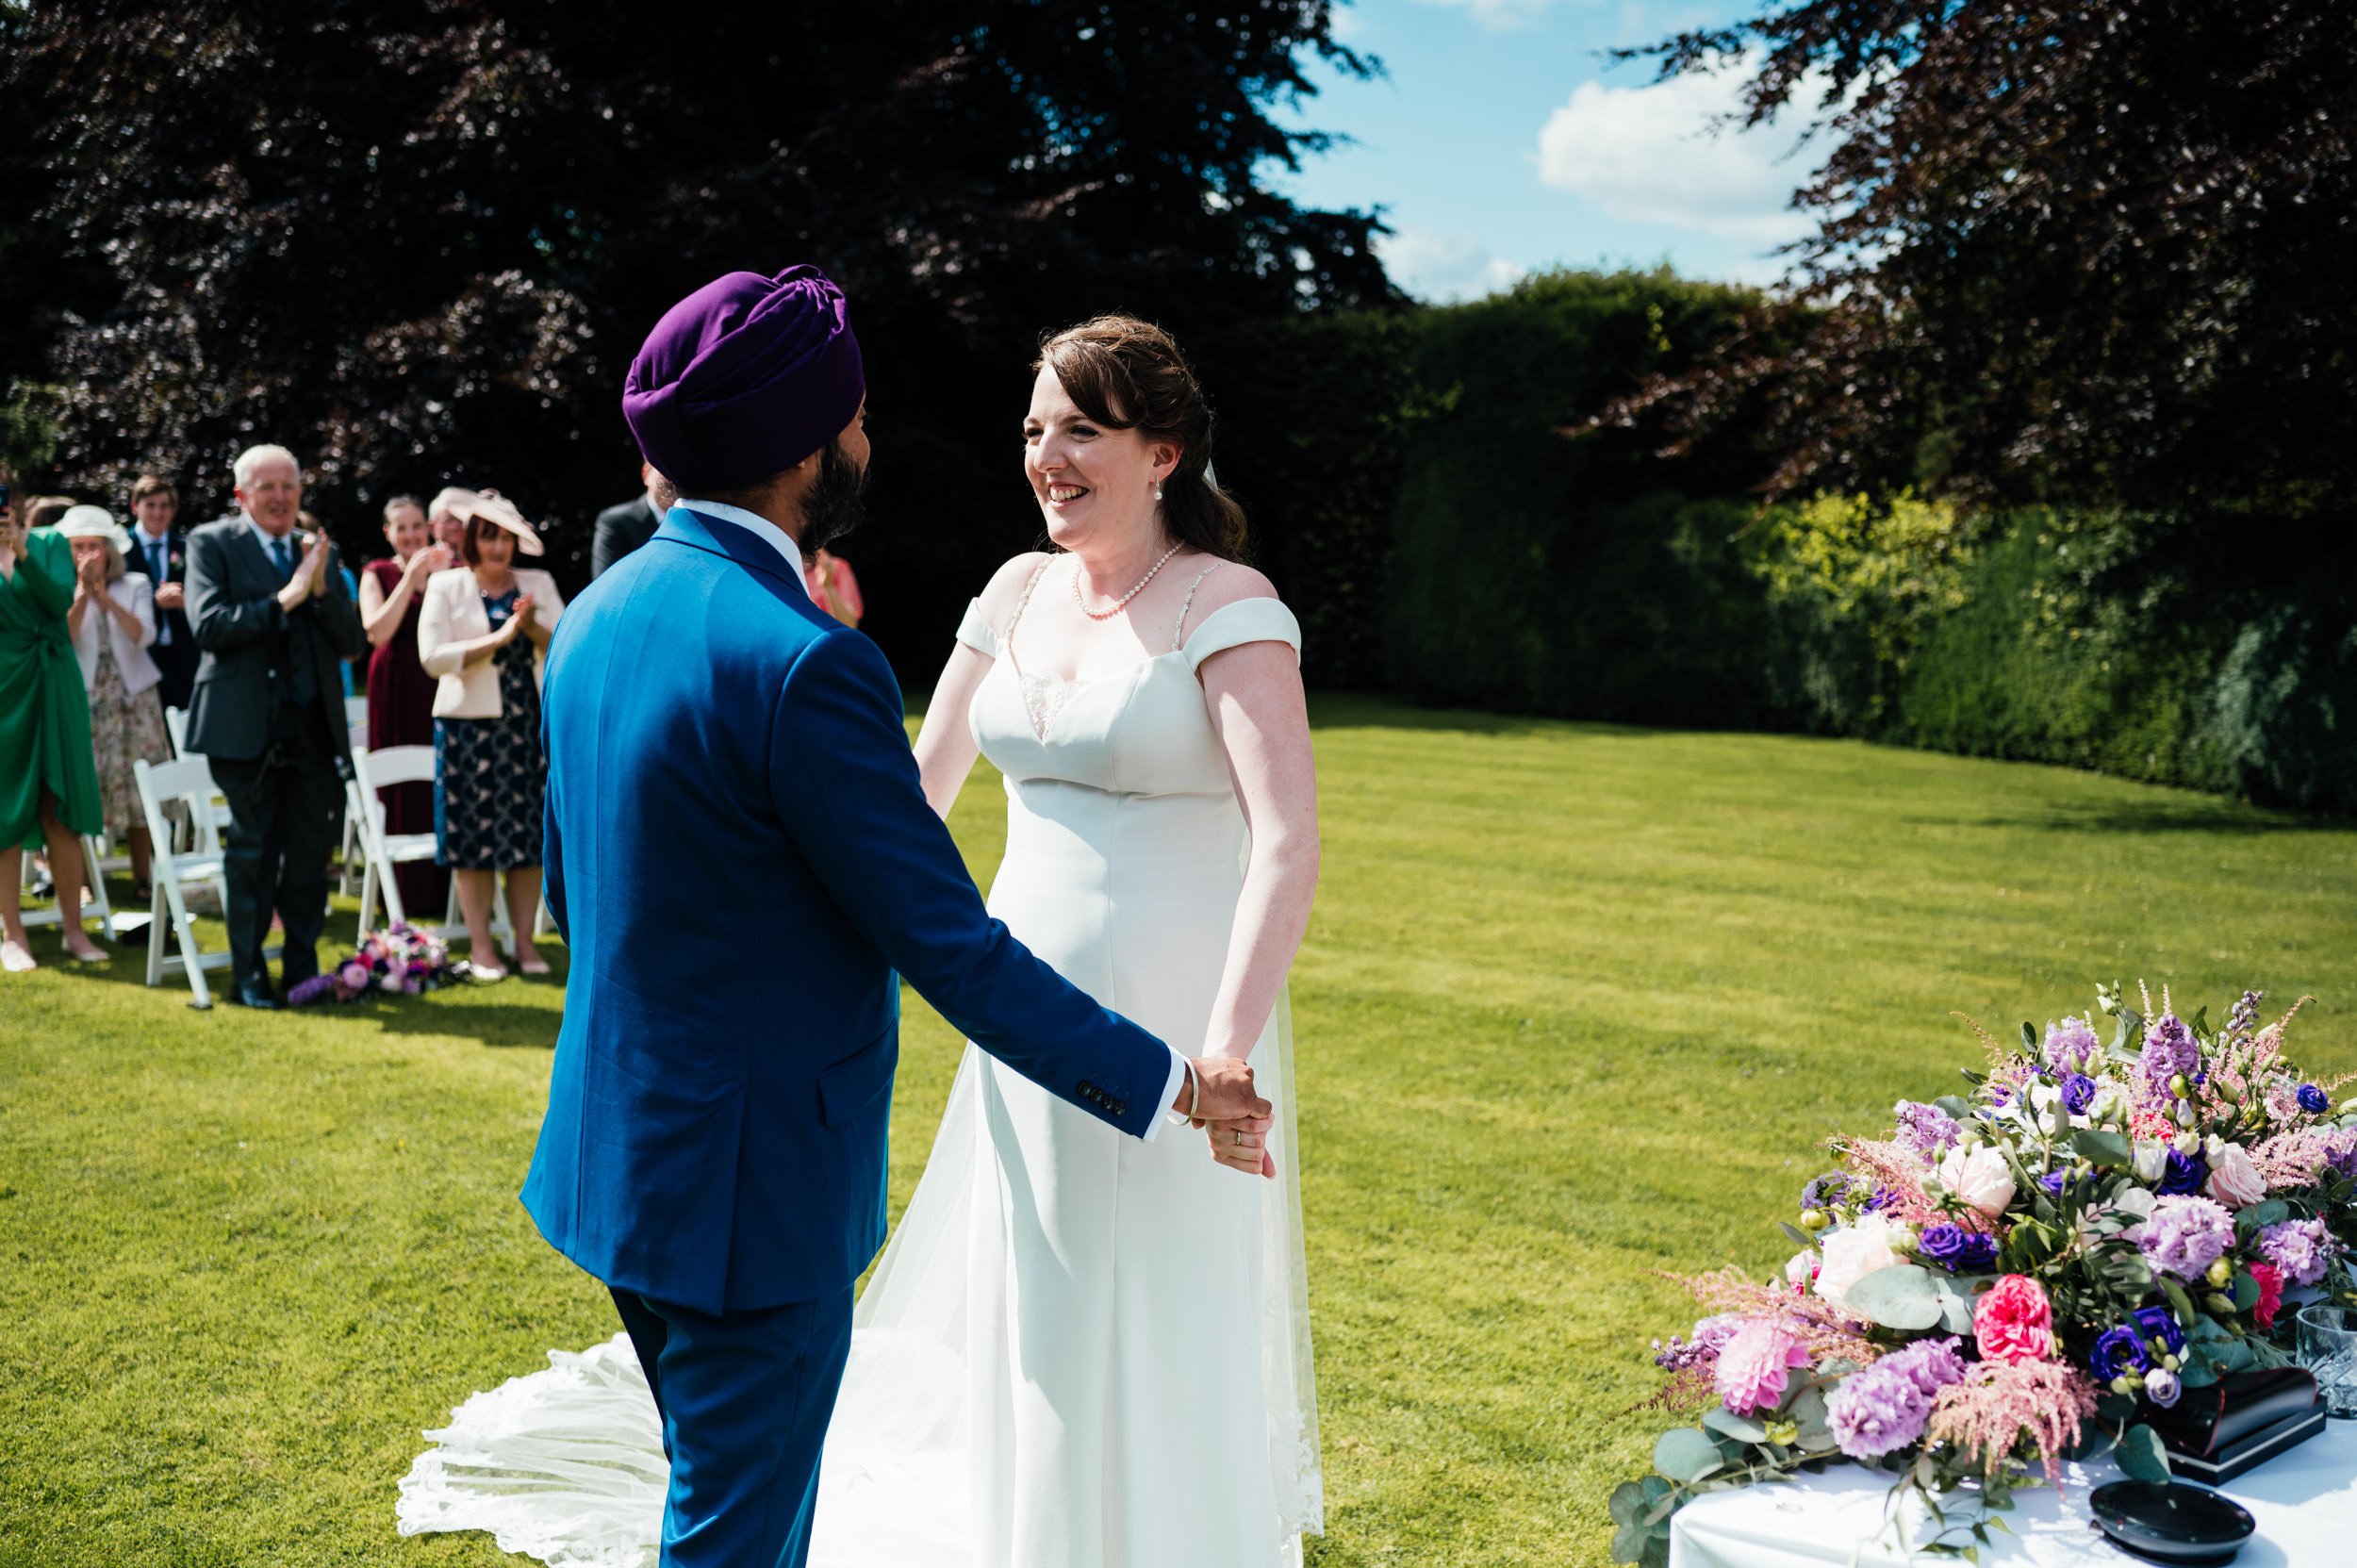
1576,1006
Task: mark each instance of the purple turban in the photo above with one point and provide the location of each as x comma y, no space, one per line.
744,378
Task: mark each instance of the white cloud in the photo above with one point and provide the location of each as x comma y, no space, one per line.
1498,15
1663,153
1440,266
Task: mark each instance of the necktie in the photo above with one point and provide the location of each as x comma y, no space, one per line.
158,572
286,564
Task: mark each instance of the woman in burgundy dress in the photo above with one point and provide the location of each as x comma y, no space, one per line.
401,693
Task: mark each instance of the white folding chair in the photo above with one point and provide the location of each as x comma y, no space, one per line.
190,780
208,817
351,860
381,851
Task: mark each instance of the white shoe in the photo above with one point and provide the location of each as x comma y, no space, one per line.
15,960
486,973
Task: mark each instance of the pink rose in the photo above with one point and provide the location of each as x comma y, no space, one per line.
2233,1179
1754,1364
2270,1281
2014,1322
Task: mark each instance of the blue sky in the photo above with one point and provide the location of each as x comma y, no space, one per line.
1498,140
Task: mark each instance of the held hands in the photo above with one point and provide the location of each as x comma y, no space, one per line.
170,596
433,558
519,619
307,574
1220,1098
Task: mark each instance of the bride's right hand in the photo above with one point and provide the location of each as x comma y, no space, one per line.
1244,1145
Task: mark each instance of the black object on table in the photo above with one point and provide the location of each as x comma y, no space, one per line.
2173,1522
2218,1431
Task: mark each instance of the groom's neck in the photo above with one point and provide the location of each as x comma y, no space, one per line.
778,502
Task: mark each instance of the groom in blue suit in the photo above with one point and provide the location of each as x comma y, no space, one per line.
744,866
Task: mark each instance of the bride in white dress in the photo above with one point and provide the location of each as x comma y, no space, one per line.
1079,1350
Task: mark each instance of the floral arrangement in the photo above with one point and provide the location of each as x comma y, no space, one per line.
401,961
2013,1277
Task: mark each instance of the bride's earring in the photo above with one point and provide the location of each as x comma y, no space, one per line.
1158,489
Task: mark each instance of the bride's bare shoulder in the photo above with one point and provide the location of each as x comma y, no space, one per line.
1005,587
1225,585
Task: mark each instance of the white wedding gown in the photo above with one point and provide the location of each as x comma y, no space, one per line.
1080,1350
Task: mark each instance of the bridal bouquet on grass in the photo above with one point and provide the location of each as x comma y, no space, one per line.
2012,1276
401,961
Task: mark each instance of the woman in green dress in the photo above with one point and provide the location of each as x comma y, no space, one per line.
48,774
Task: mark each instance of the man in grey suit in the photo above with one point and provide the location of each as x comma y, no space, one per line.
271,613
624,527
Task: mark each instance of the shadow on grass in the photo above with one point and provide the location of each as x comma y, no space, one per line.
2160,815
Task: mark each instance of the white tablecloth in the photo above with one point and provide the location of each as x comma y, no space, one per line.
2305,1502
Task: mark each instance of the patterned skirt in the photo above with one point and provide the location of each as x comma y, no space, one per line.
490,784
123,729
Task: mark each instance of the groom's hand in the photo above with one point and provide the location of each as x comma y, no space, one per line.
1222,1092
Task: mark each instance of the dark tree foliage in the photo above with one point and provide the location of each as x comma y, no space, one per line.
2088,253
418,240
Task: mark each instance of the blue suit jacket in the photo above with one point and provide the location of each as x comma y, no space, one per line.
740,856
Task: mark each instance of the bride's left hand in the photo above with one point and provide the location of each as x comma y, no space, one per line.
1244,1145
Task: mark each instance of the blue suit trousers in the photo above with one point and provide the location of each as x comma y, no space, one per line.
745,1398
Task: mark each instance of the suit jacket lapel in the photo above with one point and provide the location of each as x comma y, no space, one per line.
257,559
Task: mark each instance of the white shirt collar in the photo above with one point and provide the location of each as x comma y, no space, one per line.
264,537
762,527
144,538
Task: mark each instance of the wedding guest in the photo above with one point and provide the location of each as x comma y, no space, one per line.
833,587
270,611
42,512
401,693
484,634
48,780
626,525
113,624
445,516
160,551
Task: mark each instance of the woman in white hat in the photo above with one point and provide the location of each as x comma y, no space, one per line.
113,623
484,634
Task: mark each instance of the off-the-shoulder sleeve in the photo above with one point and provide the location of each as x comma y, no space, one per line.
1245,621
976,633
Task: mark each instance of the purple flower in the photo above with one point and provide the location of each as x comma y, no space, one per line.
1876,1409
2302,1249
2162,1387
2117,1351
2313,1100
1926,1128
2078,1093
317,988
1702,1349
1932,1362
2159,1325
1957,1249
2340,1153
2169,1049
1827,1192
2186,1235
2071,1046
1879,1199
2246,1013
2185,1174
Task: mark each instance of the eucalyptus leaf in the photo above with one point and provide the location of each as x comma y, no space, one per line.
2246,1292
1797,1233
1627,1502
1628,1543
1656,1488
1685,1454
1662,1509
1955,1307
2250,1221
2103,1148
1956,1106
1900,1297
1740,1428
2196,1373
2141,1457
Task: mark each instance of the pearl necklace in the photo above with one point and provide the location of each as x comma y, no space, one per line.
1108,615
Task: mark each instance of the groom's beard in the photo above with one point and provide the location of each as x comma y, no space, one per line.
833,506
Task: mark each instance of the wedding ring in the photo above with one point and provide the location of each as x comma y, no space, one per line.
1239,1137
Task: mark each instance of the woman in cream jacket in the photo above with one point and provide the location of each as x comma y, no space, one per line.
113,624
484,634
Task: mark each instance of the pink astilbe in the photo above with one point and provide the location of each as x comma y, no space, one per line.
1986,1415
2290,1161
1823,1328
1898,1170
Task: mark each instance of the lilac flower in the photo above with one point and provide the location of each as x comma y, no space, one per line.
2117,1351
2313,1100
2245,1014
1932,1362
1957,1249
1876,1409
2071,1046
2159,1325
2185,1174
2300,1247
1926,1128
1827,1192
2186,1235
2169,1049
1700,1351
2078,1093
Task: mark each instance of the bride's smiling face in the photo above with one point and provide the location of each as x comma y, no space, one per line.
1094,484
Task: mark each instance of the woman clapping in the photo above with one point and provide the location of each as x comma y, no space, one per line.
484,633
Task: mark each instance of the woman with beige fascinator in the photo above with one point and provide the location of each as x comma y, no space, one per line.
484,634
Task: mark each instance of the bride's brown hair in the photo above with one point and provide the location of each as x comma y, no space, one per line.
1128,374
